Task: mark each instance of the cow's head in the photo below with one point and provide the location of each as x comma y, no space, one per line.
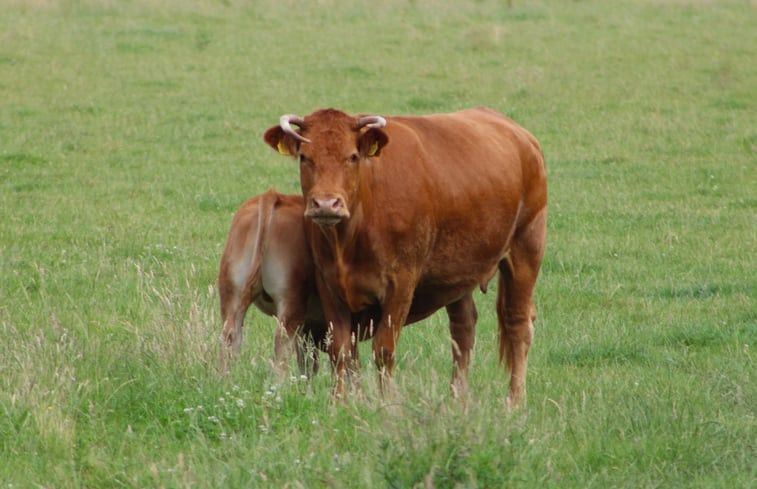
330,146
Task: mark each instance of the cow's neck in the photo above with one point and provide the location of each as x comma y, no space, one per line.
347,248
343,238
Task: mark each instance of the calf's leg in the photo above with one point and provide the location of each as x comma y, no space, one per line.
233,310
290,319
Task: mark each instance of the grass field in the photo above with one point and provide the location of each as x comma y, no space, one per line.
131,131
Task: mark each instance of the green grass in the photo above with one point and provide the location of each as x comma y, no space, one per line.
131,131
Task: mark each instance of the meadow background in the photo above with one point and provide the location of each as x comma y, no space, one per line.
130,132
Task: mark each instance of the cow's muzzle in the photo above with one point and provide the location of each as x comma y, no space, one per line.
327,211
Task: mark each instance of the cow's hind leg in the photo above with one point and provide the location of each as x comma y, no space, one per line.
515,306
462,326
290,324
233,313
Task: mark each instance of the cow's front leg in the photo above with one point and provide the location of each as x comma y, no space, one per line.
340,352
393,317
462,326
338,337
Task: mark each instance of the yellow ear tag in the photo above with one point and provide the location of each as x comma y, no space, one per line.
374,149
283,149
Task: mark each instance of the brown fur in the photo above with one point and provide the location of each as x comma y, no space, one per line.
266,262
445,201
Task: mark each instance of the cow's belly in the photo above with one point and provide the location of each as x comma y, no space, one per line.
426,299
429,299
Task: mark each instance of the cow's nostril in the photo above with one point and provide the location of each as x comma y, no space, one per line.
328,204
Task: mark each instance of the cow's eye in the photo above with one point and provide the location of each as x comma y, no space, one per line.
354,158
304,161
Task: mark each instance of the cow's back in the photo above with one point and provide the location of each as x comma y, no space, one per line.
457,185
471,155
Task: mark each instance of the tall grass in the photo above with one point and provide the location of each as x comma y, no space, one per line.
130,133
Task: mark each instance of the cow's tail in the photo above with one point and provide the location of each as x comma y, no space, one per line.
235,297
506,345
266,210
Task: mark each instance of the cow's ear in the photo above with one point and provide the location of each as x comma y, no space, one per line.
371,142
285,144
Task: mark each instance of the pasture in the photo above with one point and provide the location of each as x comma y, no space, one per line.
130,132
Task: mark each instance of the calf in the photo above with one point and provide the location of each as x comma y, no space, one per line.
266,262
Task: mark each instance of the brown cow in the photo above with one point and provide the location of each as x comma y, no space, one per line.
267,262
410,214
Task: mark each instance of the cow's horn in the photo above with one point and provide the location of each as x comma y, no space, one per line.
286,121
374,121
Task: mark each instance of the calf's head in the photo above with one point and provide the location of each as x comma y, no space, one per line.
330,146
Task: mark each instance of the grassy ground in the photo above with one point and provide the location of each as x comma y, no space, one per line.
130,132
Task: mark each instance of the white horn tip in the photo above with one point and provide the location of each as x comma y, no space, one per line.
380,122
